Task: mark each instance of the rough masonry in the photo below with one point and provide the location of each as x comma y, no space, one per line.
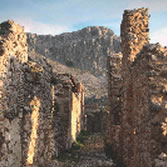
149,92
30,111
134,35
69,110
114,64
137,101
13,53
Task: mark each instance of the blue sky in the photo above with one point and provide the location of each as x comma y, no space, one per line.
58,16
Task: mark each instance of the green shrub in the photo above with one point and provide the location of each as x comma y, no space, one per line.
77,145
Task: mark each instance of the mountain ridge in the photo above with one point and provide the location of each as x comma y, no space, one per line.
82,53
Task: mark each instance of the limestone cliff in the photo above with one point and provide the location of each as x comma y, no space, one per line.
82,53
86,49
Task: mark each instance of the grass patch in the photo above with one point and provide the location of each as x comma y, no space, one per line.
77,145
84,135
73,153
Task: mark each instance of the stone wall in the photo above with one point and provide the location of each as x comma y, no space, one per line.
149,80
138,133
114,64
134,34
26,126
96,119
77,112
13,53
35,111
69,109
94,143
38,131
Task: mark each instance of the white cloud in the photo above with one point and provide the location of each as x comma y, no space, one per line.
159,36
41,28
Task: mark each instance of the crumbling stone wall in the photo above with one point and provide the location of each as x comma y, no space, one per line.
140,139
13,53
149,80
77,112
94,143
26,128
114,64
96,120
134,34
141,126
69,109
38,131
29,101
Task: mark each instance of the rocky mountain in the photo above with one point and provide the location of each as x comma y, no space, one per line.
82,53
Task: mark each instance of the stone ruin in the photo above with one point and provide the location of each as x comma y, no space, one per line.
42,113
114,64
38,108
137,126
69,98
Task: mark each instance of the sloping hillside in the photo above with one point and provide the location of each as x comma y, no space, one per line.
82,53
